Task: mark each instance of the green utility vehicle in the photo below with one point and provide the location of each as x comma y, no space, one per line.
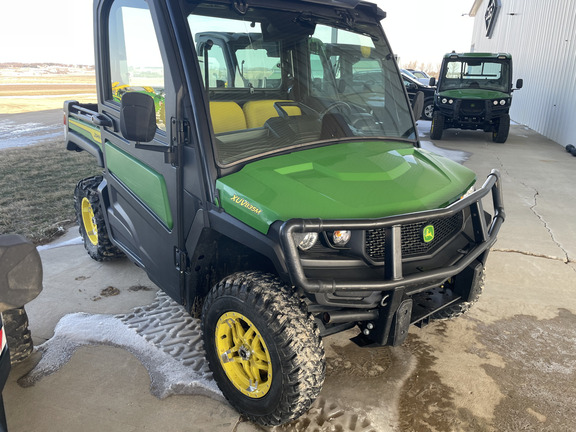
258,176
474,91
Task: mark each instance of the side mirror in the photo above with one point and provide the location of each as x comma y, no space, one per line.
138,117
519,83
432,82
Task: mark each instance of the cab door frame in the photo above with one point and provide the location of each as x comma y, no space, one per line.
142,189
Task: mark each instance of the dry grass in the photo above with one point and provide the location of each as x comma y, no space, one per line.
37,187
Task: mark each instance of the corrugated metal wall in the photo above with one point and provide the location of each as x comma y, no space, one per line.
541,36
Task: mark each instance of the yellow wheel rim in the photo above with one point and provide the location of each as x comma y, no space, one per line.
243,355
89,222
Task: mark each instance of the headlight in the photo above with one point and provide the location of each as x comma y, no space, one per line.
444,100
503,102
341,238
305,240
450,101
468,192
495,102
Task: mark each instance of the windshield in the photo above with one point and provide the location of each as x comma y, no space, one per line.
473,73
277,81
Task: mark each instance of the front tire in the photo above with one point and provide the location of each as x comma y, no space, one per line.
263,347
437,127
500,135
91,222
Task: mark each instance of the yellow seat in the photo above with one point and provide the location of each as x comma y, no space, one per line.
257,112
227,117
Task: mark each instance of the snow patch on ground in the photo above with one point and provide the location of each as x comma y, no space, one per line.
162,336
15,134
455,155
423,128
70,242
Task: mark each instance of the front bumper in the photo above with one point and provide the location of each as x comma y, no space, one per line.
393,278
471,114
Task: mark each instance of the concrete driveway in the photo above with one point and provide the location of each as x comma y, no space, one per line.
508,365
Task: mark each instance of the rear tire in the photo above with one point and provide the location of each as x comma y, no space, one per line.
500,135
91,222
437,127
263,347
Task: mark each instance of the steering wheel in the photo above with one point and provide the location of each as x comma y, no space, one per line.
335,105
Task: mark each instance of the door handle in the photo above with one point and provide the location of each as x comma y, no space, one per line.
102,120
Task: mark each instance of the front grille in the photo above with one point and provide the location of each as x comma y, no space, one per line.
472,107
413,243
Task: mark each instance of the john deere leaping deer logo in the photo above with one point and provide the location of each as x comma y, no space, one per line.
428,233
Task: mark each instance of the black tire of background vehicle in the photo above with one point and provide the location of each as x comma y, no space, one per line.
500,135
18,334
456,310
103,249
437,127
428,109
296,361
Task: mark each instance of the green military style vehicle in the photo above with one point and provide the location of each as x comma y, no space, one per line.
474,91
258,176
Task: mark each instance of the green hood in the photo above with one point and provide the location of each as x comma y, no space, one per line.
343,181
473,94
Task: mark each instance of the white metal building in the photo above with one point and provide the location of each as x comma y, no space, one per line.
541,36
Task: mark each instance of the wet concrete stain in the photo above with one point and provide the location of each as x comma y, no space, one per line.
358,362
328,416
348,369
136,288
539,378
361,390
109,291
426,402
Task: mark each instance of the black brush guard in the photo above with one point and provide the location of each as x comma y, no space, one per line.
388,324
485,237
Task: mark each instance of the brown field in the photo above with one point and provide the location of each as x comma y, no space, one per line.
36,93
44,89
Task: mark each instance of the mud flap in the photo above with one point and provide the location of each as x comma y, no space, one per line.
468,284
401,324
476,286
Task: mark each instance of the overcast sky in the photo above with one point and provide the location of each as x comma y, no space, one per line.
60,31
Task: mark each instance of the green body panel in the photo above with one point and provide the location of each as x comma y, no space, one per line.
87,130
344,181
479,94
141,180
